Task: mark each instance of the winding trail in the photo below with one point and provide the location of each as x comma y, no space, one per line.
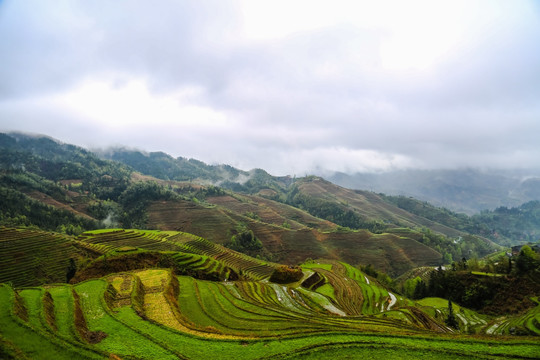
392,301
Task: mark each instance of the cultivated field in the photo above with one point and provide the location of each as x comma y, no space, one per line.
154,312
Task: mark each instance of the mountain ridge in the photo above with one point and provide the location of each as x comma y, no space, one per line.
322,216
466,190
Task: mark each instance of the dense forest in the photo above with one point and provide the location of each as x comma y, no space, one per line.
505,226
496,286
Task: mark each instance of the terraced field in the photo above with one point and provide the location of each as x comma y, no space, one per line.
21,256
152,312
109,240
271,212
524,324
369,205
304,237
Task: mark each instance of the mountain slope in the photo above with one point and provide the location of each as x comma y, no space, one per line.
171,295
464,190
286,219
368,205
165,167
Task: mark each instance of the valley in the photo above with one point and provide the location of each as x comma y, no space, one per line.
187,260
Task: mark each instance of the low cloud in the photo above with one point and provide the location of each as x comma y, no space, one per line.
356,86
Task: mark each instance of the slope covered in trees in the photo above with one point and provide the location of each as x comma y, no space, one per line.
504,226
468,190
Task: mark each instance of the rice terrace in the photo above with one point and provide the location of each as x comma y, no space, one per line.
173,295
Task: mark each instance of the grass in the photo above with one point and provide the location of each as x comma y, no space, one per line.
469,321
63,300
327,290
316,265
221,305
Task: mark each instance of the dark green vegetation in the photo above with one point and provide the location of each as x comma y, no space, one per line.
155,294
503,225
498,286
165,167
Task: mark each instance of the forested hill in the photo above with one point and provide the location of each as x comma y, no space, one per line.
505,226
502,225
64,188
165,167
467,191
57,162
55,186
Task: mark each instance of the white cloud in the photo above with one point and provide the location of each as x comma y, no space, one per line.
284,85
131,104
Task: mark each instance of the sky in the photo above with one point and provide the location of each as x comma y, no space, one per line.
293,87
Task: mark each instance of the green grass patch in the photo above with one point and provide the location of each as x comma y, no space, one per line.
327,290
480,273
30,342
316,265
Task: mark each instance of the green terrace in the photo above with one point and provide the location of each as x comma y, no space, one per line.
161,295
152,314
177,241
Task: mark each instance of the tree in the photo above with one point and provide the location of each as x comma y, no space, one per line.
284,274
71,270
245,241
451,319
420,291
527,259
447,257
415,288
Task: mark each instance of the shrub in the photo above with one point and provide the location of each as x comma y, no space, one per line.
286,274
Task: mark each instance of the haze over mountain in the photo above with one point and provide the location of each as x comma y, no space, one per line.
467,190
65,188
291,87
462,190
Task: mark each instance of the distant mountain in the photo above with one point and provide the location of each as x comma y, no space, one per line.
467,190
505,226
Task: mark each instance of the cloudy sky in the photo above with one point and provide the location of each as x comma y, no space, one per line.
288,86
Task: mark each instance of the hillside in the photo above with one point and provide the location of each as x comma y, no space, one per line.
369,206
287,220
184,297
505,226
165,167
466,191
387,252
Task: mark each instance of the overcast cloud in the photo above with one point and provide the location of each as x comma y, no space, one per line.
288,86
